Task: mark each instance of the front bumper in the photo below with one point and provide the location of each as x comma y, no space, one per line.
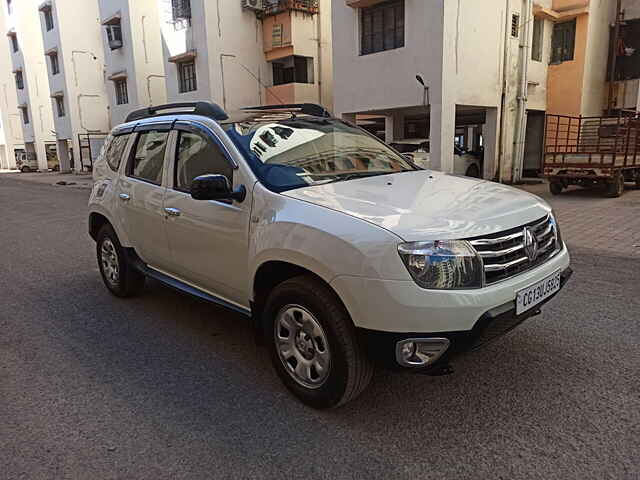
492,324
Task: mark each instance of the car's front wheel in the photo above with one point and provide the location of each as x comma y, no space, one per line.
313,344
117,272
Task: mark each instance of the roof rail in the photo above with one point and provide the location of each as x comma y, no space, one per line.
305,108
206,109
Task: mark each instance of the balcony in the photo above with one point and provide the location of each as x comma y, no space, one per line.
273,7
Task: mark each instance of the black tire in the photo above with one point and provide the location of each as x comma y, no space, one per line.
555,188
349,371
25,169
616,187
128,281
473,171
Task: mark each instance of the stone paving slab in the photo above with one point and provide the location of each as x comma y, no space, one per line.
589,219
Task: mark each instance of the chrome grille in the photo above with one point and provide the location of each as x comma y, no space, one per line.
504,254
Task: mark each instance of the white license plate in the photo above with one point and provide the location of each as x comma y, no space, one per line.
536,293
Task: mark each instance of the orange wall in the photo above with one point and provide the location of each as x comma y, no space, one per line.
569,4
283,94
267,30
565,80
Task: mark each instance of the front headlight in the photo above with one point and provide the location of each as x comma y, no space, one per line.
443,264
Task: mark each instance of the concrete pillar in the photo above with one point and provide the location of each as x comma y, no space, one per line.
63,156
469,138
394,127
442,133
41,151
4,164
442,129
490,141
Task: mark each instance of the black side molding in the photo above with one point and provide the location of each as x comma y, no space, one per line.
139,265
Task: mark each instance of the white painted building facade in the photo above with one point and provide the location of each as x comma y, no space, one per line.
133,49
71,34
24,42
11,141
228,54
474,57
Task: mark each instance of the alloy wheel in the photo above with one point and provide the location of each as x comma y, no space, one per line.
302,346
109,262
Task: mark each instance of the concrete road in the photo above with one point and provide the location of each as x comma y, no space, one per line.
163,386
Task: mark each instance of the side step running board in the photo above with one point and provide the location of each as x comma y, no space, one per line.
139,265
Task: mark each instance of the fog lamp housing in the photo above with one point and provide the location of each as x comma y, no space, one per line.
420,352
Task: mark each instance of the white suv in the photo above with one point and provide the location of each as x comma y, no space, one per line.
344,254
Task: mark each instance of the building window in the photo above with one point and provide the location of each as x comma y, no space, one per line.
48,19
563,41
187,77
14,43
181,10
114,36
382,27
19,80
538,39
25,116
515,25
60,106
55,66
294,69
122,94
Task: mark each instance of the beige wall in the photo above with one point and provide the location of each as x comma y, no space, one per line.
597,54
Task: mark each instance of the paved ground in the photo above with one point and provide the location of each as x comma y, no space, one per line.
163,386
591,220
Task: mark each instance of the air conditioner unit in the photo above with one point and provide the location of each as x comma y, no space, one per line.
255,5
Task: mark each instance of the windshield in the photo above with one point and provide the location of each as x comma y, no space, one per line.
299,151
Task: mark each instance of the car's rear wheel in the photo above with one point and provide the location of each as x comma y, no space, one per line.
25,169
473,171
555,188
616,187
118,274
313,344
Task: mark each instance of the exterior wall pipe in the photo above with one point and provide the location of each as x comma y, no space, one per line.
521,118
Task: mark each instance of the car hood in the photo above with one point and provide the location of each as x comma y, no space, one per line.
428,205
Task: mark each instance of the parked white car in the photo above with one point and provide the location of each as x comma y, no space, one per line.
418,151
342,252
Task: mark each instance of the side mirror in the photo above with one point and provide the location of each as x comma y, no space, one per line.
215,187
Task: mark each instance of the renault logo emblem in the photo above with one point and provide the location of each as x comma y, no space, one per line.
530,244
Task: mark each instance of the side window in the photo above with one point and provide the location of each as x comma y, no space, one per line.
115,151
148,160
197,156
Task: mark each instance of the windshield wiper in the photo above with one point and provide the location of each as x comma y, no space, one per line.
352,176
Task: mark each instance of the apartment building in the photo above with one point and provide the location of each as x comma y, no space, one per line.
625,89
133,53
473,71
247,52
72,41
11,141
26,49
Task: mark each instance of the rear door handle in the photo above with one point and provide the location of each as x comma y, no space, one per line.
124,197
172,212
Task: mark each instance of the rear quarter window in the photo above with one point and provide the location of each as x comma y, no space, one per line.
115,150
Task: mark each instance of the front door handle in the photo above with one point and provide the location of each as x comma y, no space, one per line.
172,212
124,197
